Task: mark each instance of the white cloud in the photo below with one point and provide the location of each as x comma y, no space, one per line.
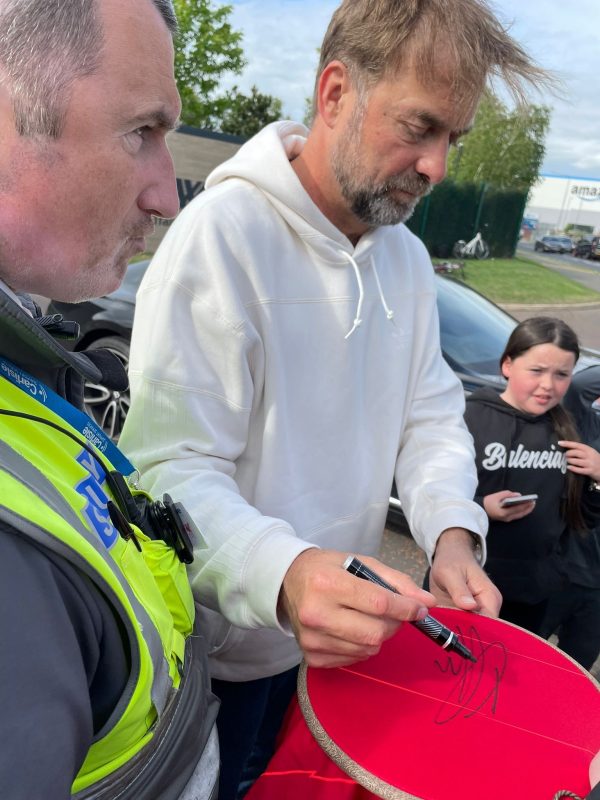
281,38
563,37
281,41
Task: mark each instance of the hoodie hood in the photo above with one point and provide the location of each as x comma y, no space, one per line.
264,161
487,396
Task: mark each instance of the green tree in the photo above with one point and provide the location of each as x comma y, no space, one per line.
207,47
505,149
245,114
309,114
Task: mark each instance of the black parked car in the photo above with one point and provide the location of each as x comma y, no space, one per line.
106,322
473,333
554,244
588,248
583,248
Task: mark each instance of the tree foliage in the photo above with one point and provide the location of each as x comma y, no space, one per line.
505,149
207,47
245,114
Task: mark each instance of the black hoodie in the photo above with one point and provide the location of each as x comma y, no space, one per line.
520,452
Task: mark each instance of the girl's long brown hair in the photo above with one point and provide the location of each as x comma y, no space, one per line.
550,330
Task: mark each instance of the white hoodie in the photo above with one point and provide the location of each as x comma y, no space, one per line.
277,429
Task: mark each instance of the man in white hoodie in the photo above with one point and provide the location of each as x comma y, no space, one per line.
286,364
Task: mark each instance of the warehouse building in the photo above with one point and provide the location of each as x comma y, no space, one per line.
558,201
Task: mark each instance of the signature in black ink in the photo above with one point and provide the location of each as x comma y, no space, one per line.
477,685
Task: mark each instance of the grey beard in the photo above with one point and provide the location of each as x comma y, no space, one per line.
376,206
373,205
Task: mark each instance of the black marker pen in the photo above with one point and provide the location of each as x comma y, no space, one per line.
437,632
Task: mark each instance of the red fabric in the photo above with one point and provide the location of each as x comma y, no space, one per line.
300,770
522,723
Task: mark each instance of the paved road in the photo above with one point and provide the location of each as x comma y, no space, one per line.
582,270
584,318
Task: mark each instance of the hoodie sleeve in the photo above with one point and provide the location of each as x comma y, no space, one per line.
195,361
585,390
435,472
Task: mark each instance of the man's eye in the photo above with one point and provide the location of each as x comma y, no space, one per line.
135,139
413,133
142,132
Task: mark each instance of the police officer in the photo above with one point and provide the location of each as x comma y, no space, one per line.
103,686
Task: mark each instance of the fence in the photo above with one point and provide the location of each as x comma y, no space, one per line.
457,211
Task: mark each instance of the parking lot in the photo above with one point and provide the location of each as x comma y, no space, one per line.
584,318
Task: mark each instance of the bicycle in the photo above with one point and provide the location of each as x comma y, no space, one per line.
477,247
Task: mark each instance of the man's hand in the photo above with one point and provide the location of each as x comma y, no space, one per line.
339,619
457,578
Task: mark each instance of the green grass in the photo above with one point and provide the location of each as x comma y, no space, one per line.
517,280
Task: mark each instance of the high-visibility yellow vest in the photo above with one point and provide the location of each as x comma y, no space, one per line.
53,490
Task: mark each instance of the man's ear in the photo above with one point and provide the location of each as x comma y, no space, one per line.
333,90
505,367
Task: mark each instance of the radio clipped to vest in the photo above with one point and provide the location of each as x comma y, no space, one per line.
158,519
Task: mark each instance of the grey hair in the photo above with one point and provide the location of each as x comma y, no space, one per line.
45,46
460,42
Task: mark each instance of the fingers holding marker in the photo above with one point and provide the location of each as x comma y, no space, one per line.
338,619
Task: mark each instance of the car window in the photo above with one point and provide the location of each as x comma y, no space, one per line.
473,330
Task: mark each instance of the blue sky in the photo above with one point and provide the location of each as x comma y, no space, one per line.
281,38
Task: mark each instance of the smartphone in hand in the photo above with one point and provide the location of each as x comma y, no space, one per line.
515,501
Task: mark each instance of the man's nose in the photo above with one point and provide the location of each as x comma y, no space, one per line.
159,196
433,161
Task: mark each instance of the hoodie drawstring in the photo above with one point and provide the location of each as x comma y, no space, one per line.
361,294
388,311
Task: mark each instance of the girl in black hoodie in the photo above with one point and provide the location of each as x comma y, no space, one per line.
526,443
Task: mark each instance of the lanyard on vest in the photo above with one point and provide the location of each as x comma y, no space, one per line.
92,432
